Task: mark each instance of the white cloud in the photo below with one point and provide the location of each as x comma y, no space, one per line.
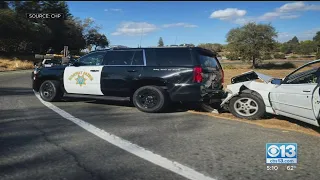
91,19
298,6
228,13
134,28
292,16
269,16
295,6
185,25
242,21
113,10
284,36
309,34
302,36
286,11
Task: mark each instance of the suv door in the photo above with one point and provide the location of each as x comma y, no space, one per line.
121,68
85,79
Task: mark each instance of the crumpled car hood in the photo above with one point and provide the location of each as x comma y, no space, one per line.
250,76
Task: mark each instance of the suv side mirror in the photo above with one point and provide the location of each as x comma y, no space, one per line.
276,81
76,63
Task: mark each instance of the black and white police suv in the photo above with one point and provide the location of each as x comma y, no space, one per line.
151,77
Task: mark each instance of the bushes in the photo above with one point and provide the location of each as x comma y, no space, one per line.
266,56
232,57
287,65
293,57
318,55
279,56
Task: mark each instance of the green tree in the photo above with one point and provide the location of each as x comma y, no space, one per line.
278,46
316,39
215,47
293,45
294,40
160,42
252,41
307,47
285,48
96,39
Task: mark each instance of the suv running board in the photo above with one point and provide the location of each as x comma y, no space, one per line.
97,97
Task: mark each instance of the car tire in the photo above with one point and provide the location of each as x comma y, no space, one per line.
50,91
241,108
150,99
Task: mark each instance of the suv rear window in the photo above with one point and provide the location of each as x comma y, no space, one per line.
173,57
207,61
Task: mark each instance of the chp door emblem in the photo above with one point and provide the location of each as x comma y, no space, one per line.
81,77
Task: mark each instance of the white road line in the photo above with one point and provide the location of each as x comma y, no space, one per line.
129,147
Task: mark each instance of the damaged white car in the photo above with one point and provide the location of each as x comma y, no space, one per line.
296,96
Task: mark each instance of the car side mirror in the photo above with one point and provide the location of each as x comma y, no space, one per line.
276,81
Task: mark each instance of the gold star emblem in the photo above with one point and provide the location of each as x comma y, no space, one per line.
81,80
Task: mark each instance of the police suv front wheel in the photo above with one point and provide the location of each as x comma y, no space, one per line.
50,90
150,99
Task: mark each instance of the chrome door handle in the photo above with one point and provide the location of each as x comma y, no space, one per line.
94,70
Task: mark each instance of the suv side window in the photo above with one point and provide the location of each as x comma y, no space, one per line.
92,59
173,57
124,58
207,61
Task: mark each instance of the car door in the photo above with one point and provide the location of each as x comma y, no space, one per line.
295,96
85,78
122,68
316,102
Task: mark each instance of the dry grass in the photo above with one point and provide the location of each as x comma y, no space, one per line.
11,65
270,122
283,123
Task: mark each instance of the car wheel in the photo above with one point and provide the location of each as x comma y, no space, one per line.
247,106
150,99
50,91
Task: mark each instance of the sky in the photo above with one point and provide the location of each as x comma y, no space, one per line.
129,23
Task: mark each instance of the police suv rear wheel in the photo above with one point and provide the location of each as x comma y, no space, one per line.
50,90
150,99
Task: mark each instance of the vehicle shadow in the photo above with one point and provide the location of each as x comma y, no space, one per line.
15,91
173,108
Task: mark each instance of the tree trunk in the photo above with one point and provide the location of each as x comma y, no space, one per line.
253,62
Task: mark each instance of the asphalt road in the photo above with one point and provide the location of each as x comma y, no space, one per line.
38,143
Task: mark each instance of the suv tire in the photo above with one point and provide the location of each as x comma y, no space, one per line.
150,99
50,90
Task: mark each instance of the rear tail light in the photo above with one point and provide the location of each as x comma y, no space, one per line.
197,74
